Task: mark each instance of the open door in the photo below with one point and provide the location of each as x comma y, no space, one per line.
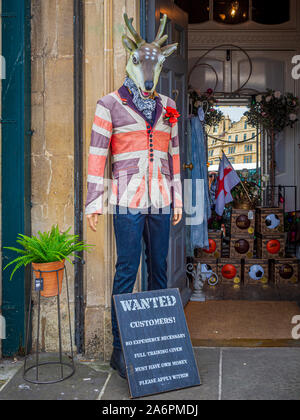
173,83
16,170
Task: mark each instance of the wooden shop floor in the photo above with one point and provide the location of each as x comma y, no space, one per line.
244,317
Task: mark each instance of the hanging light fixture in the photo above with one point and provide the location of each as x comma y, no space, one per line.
231,12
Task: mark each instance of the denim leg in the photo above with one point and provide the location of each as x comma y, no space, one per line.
128,232
156,236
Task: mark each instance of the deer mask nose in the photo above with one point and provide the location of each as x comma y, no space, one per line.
149,84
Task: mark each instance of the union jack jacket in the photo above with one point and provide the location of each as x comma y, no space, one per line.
145,158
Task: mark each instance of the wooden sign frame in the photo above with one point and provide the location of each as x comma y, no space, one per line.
156,342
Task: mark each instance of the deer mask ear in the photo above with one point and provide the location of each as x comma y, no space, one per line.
169,49
128,44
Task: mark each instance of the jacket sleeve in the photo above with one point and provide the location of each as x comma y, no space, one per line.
174,161
98,151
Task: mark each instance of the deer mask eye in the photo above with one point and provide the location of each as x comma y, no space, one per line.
135,60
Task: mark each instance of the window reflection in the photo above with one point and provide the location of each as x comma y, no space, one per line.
269,12
198,10
231,12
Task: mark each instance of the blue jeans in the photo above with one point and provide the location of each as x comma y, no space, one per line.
129,229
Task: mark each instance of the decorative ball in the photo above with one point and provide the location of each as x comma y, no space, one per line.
212,247
286,271
256,272
272,221
229,271
243,222
242,246
273,246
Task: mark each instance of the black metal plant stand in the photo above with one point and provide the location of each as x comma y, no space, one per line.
66,369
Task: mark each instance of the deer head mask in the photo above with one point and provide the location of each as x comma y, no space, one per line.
146,60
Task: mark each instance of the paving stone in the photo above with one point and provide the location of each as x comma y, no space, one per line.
261,374
208,365
245,374
85,384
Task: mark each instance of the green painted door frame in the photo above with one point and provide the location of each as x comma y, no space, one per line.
16,170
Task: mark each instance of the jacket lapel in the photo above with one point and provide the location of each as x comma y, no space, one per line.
159,109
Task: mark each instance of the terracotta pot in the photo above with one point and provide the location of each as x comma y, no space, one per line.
50,277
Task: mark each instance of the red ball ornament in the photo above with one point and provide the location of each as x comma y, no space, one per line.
273,246
229,271
212,247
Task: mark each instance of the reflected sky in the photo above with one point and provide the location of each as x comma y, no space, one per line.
235,113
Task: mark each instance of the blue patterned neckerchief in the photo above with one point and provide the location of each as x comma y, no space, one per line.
146,106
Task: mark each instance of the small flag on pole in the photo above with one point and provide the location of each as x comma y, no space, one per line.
227,180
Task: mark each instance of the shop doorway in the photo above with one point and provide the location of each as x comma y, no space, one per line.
237,67
173,83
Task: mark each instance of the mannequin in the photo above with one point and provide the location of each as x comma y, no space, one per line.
139,127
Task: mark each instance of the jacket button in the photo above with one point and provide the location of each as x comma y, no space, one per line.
151,160
151,145
151,155
151,150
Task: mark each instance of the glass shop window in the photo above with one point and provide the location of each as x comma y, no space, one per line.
231,12
270,12
198,10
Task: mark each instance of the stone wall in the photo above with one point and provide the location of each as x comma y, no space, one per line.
52,146
105,62
53,139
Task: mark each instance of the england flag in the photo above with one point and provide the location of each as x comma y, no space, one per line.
227,180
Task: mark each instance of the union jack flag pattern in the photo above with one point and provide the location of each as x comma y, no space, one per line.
145,158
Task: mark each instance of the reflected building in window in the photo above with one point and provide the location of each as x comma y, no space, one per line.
242,154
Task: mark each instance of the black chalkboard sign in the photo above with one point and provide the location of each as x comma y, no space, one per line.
156,343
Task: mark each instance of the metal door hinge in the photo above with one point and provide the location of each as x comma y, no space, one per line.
30,132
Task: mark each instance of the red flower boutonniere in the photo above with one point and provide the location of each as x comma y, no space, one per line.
171,115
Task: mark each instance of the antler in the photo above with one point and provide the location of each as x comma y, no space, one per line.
138,39
160,39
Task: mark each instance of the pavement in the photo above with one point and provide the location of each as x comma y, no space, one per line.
226,374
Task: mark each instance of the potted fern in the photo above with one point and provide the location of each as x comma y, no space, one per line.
47,254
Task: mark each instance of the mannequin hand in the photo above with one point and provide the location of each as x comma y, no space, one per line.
177,216
92,221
